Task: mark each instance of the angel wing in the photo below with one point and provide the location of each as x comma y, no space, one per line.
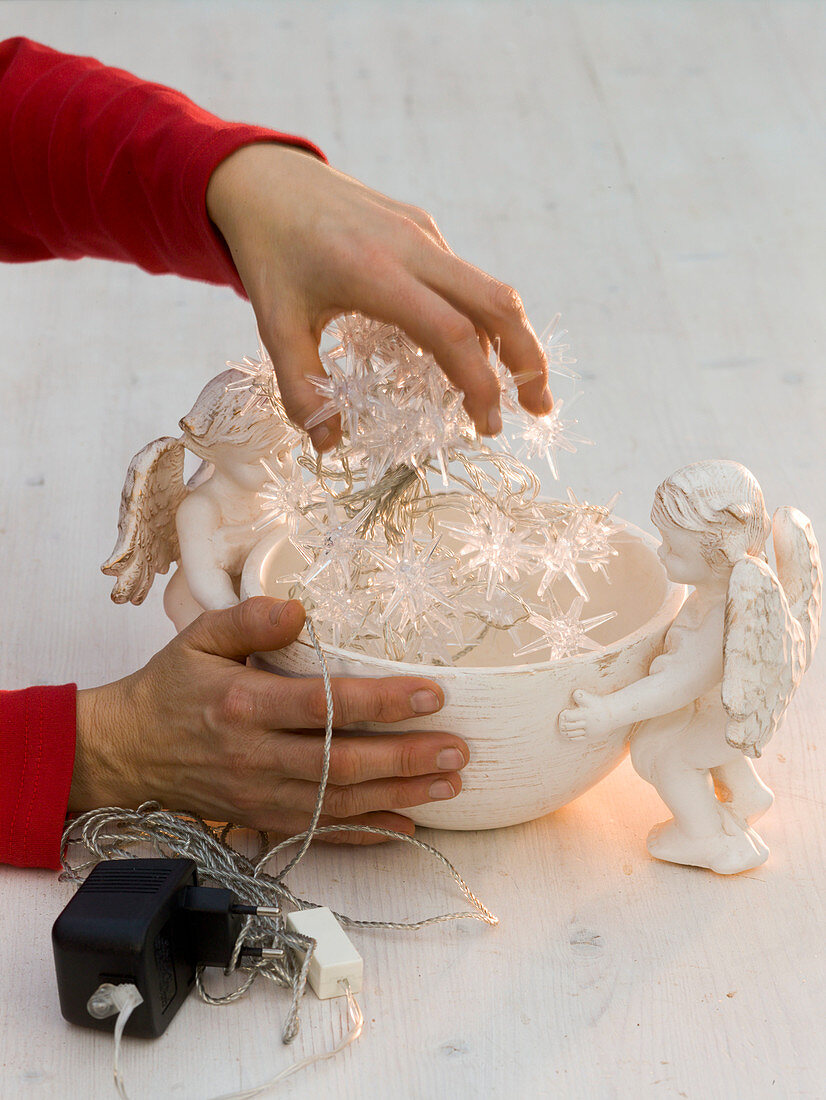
800,572
147,539
770,632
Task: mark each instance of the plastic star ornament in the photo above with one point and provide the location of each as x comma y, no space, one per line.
413,584
335,545
543,436
564,635
560,556
557,351
342,616
494,545
285,497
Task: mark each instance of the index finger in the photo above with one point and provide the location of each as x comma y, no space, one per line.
282,702
497,309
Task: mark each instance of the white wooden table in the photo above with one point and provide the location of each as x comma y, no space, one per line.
656,172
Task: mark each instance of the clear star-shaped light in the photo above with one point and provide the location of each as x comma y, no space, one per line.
560,556
595,533
376,578
543,436
413,583
342,615
285,497
428,645
493,544
359,339
335,543
557,351
565,634
343,393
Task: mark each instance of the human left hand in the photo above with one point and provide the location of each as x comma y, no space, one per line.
310,243
591,717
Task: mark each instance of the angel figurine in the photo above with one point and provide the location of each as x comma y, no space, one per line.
210,524
731,663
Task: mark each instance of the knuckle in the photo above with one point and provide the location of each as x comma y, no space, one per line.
316,707
384,702
505,302
248,613
407,760
340,801
345,766
457,331
422,219
396,794
237,706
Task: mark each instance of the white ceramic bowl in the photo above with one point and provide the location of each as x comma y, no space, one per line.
520,766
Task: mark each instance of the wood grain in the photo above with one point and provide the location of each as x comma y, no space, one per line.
656,172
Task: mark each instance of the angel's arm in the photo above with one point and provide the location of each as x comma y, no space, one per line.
208,582
676,679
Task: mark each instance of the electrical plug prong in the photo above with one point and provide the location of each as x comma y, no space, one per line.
263,952
256,910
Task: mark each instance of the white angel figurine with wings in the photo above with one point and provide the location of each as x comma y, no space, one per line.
732,661
210,524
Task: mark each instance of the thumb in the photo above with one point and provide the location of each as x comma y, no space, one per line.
260,623
294,355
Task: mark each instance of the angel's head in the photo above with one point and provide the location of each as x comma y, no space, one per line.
710,515
224,423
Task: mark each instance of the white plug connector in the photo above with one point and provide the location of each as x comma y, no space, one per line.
334,959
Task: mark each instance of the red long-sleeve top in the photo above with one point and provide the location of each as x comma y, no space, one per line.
94,162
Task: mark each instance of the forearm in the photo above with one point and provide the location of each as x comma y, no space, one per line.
96,162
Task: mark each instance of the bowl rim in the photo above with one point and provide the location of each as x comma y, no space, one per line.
675,595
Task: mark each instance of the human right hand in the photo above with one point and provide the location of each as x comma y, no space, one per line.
199,731
310,243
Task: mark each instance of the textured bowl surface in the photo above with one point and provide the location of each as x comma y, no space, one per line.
520,766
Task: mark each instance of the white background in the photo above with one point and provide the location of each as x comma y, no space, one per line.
654,171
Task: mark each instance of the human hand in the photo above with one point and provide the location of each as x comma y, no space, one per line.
310,243
591,717
199,731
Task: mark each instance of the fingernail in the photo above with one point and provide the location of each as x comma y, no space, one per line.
275,612
494,420
441,789
450,760
546,400
424,702
320,435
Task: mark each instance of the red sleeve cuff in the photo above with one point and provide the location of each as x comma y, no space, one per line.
37,755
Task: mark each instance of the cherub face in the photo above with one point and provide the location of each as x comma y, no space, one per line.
682,555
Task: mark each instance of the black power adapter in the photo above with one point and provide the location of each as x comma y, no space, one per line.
148,923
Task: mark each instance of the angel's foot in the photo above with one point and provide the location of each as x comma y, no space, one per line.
722,852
